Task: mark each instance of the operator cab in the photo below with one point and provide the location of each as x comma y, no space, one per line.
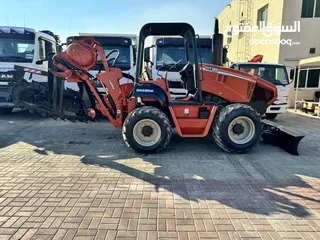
190,72
187,76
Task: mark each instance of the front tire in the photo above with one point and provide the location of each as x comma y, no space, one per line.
271,116
237,128
147,129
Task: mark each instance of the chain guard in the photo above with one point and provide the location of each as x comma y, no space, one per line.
34,97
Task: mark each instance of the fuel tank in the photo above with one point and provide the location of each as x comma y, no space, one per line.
236,86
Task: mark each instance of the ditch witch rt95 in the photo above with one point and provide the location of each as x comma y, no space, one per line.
221,101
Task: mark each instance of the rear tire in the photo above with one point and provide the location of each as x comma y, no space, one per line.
271,116
5,111
237,128
147,130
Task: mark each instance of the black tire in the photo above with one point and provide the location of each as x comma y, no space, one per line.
5,111
225,118
157,117
271,116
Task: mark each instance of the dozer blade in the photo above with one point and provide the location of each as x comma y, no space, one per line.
283,137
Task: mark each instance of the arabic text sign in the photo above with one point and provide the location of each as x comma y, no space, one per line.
267,30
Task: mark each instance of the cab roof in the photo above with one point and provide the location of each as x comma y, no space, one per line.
184,30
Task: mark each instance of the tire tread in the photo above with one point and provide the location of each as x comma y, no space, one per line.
218,122
146,110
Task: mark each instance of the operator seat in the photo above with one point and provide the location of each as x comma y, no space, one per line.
187,76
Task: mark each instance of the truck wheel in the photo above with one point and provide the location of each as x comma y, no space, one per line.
147,129
237,128
271,115
6,110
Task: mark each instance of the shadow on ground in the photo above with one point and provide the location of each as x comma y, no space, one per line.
266,181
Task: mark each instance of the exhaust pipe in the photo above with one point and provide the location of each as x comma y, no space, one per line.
217,45
219,52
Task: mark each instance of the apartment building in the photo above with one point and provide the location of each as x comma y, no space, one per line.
294,36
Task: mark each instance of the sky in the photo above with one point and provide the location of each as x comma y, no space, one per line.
69,17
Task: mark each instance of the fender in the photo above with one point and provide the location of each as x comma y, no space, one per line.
150,91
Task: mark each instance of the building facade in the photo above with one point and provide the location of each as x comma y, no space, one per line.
294,35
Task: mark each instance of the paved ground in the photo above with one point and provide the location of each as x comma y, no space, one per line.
60,180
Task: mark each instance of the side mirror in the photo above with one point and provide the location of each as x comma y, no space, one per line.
50,55
147,54
291,74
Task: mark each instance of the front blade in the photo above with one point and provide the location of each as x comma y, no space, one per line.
281,136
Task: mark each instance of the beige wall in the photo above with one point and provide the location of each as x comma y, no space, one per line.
232,13
308,38
280,12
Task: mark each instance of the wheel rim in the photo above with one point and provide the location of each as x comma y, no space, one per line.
147,132
241,130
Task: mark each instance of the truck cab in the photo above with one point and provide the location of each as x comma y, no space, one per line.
125,43
21,52
275,74
168,57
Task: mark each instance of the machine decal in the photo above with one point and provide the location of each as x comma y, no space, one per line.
29,56
145,90
210,69
6,76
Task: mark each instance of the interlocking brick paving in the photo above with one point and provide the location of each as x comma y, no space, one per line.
60,180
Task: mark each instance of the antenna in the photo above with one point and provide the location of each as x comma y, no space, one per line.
24,20
8,21
69,27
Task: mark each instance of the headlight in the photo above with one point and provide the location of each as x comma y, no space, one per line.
285,99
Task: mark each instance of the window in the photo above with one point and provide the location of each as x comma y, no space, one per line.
313,78
49,47
20,49
229,39
312,50
302,79
168,55
41,50
124,59
241,34
276,75
45,47
263,16
309,78
310,8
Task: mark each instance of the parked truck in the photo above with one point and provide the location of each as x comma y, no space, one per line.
22,51
275,74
